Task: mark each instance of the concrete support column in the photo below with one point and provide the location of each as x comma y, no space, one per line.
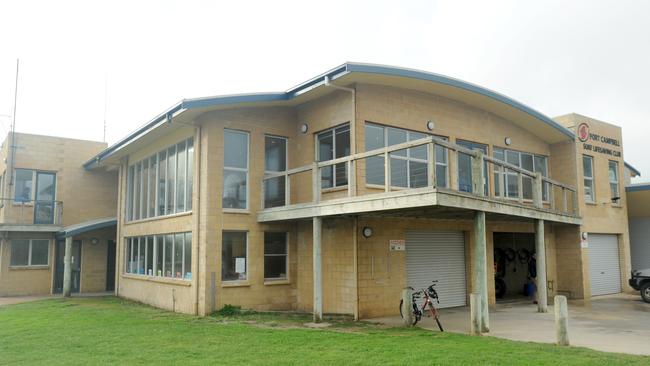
317,267
480,268
67,267
540,249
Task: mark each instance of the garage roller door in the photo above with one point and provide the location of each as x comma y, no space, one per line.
604,267
437,255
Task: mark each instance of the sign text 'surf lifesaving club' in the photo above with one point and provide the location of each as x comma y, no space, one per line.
584,135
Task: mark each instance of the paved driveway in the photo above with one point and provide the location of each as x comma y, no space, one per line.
618,323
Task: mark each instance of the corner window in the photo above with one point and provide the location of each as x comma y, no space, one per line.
332,144
235,170
409,167
588,176
275,160
33,252
234,256
613,180
275,256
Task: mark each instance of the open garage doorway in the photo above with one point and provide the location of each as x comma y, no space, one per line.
514,266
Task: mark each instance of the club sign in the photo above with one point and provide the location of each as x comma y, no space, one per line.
586,137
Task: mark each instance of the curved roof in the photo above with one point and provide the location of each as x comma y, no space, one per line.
348,73
86,226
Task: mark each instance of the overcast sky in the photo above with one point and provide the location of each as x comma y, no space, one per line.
587,57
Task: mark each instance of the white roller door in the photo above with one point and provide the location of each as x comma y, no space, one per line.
604,265
437,255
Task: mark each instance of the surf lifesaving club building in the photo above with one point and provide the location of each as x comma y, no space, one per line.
334,195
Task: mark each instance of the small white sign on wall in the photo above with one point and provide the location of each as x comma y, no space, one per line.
584,244
397,245
240,265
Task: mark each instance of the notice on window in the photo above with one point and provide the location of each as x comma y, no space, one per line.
240,265
397,245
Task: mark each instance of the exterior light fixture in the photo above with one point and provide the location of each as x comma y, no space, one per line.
585,236
430,125
304,128
366,232
94,241
508,141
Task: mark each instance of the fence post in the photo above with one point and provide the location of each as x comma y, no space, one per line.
565,208
477,173
538,190
315,182
407,307
432,164
352,181
287,190
387,172
561,320
475,314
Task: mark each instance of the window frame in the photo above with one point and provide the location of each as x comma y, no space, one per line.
333,130
132,245
408,157
247,242
286,256
286,166
500,171
591,198
29,254
236,169
34,180
617,182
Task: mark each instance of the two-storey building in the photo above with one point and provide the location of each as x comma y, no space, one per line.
47,196
333,196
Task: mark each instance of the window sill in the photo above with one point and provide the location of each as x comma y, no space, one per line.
27,268
591,203
272,282
149,219
334,189
242,283
25,204
236,211
165,280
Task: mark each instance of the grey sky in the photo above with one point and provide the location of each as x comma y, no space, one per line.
587,57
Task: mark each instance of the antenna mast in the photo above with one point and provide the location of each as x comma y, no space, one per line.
105,102
13,129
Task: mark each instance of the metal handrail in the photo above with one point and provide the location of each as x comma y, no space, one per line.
24,211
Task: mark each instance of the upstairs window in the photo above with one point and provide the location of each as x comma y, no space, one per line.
235,170
275,160
465,167
588,176
409,167
332,144
509,179
613,181
24,187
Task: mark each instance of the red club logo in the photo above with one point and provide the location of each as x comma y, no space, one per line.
583,132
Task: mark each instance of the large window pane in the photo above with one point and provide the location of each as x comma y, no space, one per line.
40,252
419,152
275,160
326,152
169,256
342,149
24,185
136,191
149,257
374,137
187,256
171,180
162,182
180,181
375,170
129,193
234,256
275,256
417,174
128,255
144,199
441,166
398,172
235,149
464,173
19,252
396,136
235,175
234,189
152,186
178,255
141,254
160,245
190,174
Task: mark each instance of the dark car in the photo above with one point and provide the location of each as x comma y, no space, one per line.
640,281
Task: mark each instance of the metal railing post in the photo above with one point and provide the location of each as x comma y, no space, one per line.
537,190
477,173
432,165
315,182
387,172
287,189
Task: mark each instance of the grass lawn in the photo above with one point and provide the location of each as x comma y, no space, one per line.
116,331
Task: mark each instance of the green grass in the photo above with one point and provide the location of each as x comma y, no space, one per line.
115,331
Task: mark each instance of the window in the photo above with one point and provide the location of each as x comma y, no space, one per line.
275,256
161,184
235,170
613,180
167,255
275,160
509,179
465,167
588,174
234,249
409,167
34,252
332,144
24,185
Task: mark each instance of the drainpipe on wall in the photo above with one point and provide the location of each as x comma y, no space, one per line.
353,119
196,208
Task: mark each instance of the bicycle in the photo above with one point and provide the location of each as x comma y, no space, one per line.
429,294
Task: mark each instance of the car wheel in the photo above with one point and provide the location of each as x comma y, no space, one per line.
645,292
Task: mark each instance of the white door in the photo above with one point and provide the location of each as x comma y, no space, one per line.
437,255
604,265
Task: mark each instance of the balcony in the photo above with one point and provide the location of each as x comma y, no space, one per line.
481,186
30,215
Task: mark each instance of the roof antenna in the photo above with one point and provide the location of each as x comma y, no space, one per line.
105,102
13,129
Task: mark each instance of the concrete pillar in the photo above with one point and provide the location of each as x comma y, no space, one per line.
317,268
480,268
561,320
475,314
540,249
67,267
407,307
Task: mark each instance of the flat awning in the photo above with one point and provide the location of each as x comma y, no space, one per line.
86,226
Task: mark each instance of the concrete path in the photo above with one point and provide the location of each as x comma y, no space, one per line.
10,300
618,323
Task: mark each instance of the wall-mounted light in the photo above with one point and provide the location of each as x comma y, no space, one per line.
430,125
366,232
508,141
304,128
94,241
585,236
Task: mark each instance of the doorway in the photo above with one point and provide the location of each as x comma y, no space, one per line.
514,265
59,266
110,266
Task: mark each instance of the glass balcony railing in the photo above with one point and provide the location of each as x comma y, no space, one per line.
30,212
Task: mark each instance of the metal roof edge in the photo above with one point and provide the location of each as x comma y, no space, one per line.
633,169
639,187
